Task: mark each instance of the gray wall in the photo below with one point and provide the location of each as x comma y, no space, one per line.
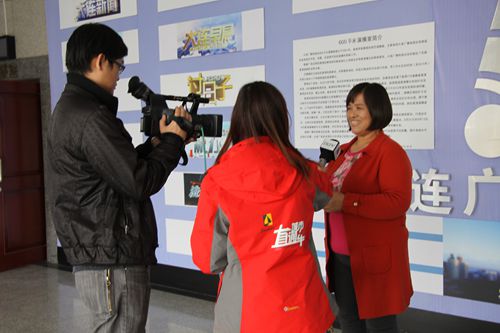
26,22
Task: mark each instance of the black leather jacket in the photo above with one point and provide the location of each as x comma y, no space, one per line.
99,184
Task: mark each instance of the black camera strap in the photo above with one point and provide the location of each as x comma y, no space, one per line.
186,126
184,157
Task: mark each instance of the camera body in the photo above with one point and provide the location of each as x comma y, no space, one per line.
156,106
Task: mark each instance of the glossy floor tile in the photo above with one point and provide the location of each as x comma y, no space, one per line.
40,299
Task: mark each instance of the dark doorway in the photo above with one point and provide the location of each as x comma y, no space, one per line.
22,214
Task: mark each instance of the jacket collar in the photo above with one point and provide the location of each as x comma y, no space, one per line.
368,150
102,95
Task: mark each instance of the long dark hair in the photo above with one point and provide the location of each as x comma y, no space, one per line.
260,110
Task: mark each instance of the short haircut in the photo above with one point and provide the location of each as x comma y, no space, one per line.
377,100
88,41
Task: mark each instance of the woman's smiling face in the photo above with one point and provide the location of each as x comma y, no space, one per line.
358,116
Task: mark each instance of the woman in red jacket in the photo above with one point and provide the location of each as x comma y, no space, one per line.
367,240
254,220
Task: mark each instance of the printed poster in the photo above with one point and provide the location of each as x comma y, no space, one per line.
399,58
76,12
229,33
302,6
174,4
220,86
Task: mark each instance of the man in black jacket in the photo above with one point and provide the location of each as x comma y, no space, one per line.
100,184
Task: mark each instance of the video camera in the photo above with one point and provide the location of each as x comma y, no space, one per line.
156,107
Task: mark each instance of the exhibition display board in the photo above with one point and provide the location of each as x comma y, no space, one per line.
438,59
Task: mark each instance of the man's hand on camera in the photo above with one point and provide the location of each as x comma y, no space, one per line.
155,141
173,127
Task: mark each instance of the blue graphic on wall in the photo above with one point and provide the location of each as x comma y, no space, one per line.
213,35
472,271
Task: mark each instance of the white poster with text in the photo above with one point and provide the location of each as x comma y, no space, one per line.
302,6
174,4
399,58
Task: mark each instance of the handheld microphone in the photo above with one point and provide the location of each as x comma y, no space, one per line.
329,151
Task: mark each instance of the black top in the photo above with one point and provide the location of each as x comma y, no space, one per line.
100,184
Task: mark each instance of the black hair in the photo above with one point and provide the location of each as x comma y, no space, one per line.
260,110
88,41
377,100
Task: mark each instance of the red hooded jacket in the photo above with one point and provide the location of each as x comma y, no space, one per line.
253,225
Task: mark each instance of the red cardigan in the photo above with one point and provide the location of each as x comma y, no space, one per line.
377,195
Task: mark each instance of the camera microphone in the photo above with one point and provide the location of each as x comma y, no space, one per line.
329,151
138,89
190,98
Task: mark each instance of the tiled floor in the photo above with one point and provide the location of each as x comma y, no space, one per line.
41,300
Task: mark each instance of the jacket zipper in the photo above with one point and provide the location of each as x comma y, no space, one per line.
108,290
126,219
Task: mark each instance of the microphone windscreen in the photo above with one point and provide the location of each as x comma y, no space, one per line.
133,83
